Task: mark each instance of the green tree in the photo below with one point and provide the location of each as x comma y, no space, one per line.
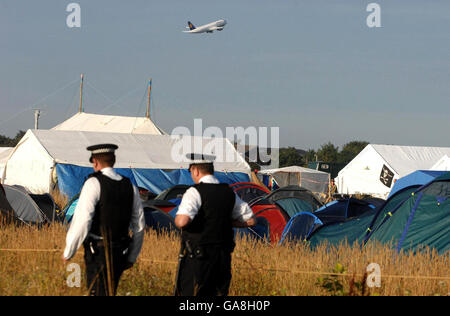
309,156
18,137
11,142
290,157
351,150
4,141
328,153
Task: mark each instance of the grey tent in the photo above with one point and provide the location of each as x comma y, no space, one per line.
6,210
30,208
294,199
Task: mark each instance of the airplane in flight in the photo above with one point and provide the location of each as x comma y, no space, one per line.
207,28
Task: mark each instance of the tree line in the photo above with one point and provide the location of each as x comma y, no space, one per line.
328,152
6,141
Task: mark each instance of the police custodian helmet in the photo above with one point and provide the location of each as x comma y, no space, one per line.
101,149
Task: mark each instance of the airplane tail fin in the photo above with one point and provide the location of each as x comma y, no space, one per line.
191,26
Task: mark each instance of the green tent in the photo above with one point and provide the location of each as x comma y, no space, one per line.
351,231
422,220
356,229
390,205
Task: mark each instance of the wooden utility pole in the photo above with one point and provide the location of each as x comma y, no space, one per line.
81,94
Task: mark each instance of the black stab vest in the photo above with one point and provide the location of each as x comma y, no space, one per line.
113,211
213,223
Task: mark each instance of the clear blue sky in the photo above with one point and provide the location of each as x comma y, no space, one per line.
313,68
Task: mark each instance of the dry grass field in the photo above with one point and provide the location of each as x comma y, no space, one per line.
258,269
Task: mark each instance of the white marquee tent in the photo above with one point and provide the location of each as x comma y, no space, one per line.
4,154
313,180
32,163
89,122
376,168
443,164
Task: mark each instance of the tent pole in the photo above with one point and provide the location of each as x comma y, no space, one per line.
81,94
149,97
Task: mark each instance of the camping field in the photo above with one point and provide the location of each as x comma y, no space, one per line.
30,264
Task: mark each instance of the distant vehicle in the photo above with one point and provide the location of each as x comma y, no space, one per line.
207,28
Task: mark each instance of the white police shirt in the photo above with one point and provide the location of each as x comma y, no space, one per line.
84,214
192,201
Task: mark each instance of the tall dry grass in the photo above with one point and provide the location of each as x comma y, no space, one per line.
60,198
258,269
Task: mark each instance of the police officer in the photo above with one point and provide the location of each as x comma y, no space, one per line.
207,214
109,205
